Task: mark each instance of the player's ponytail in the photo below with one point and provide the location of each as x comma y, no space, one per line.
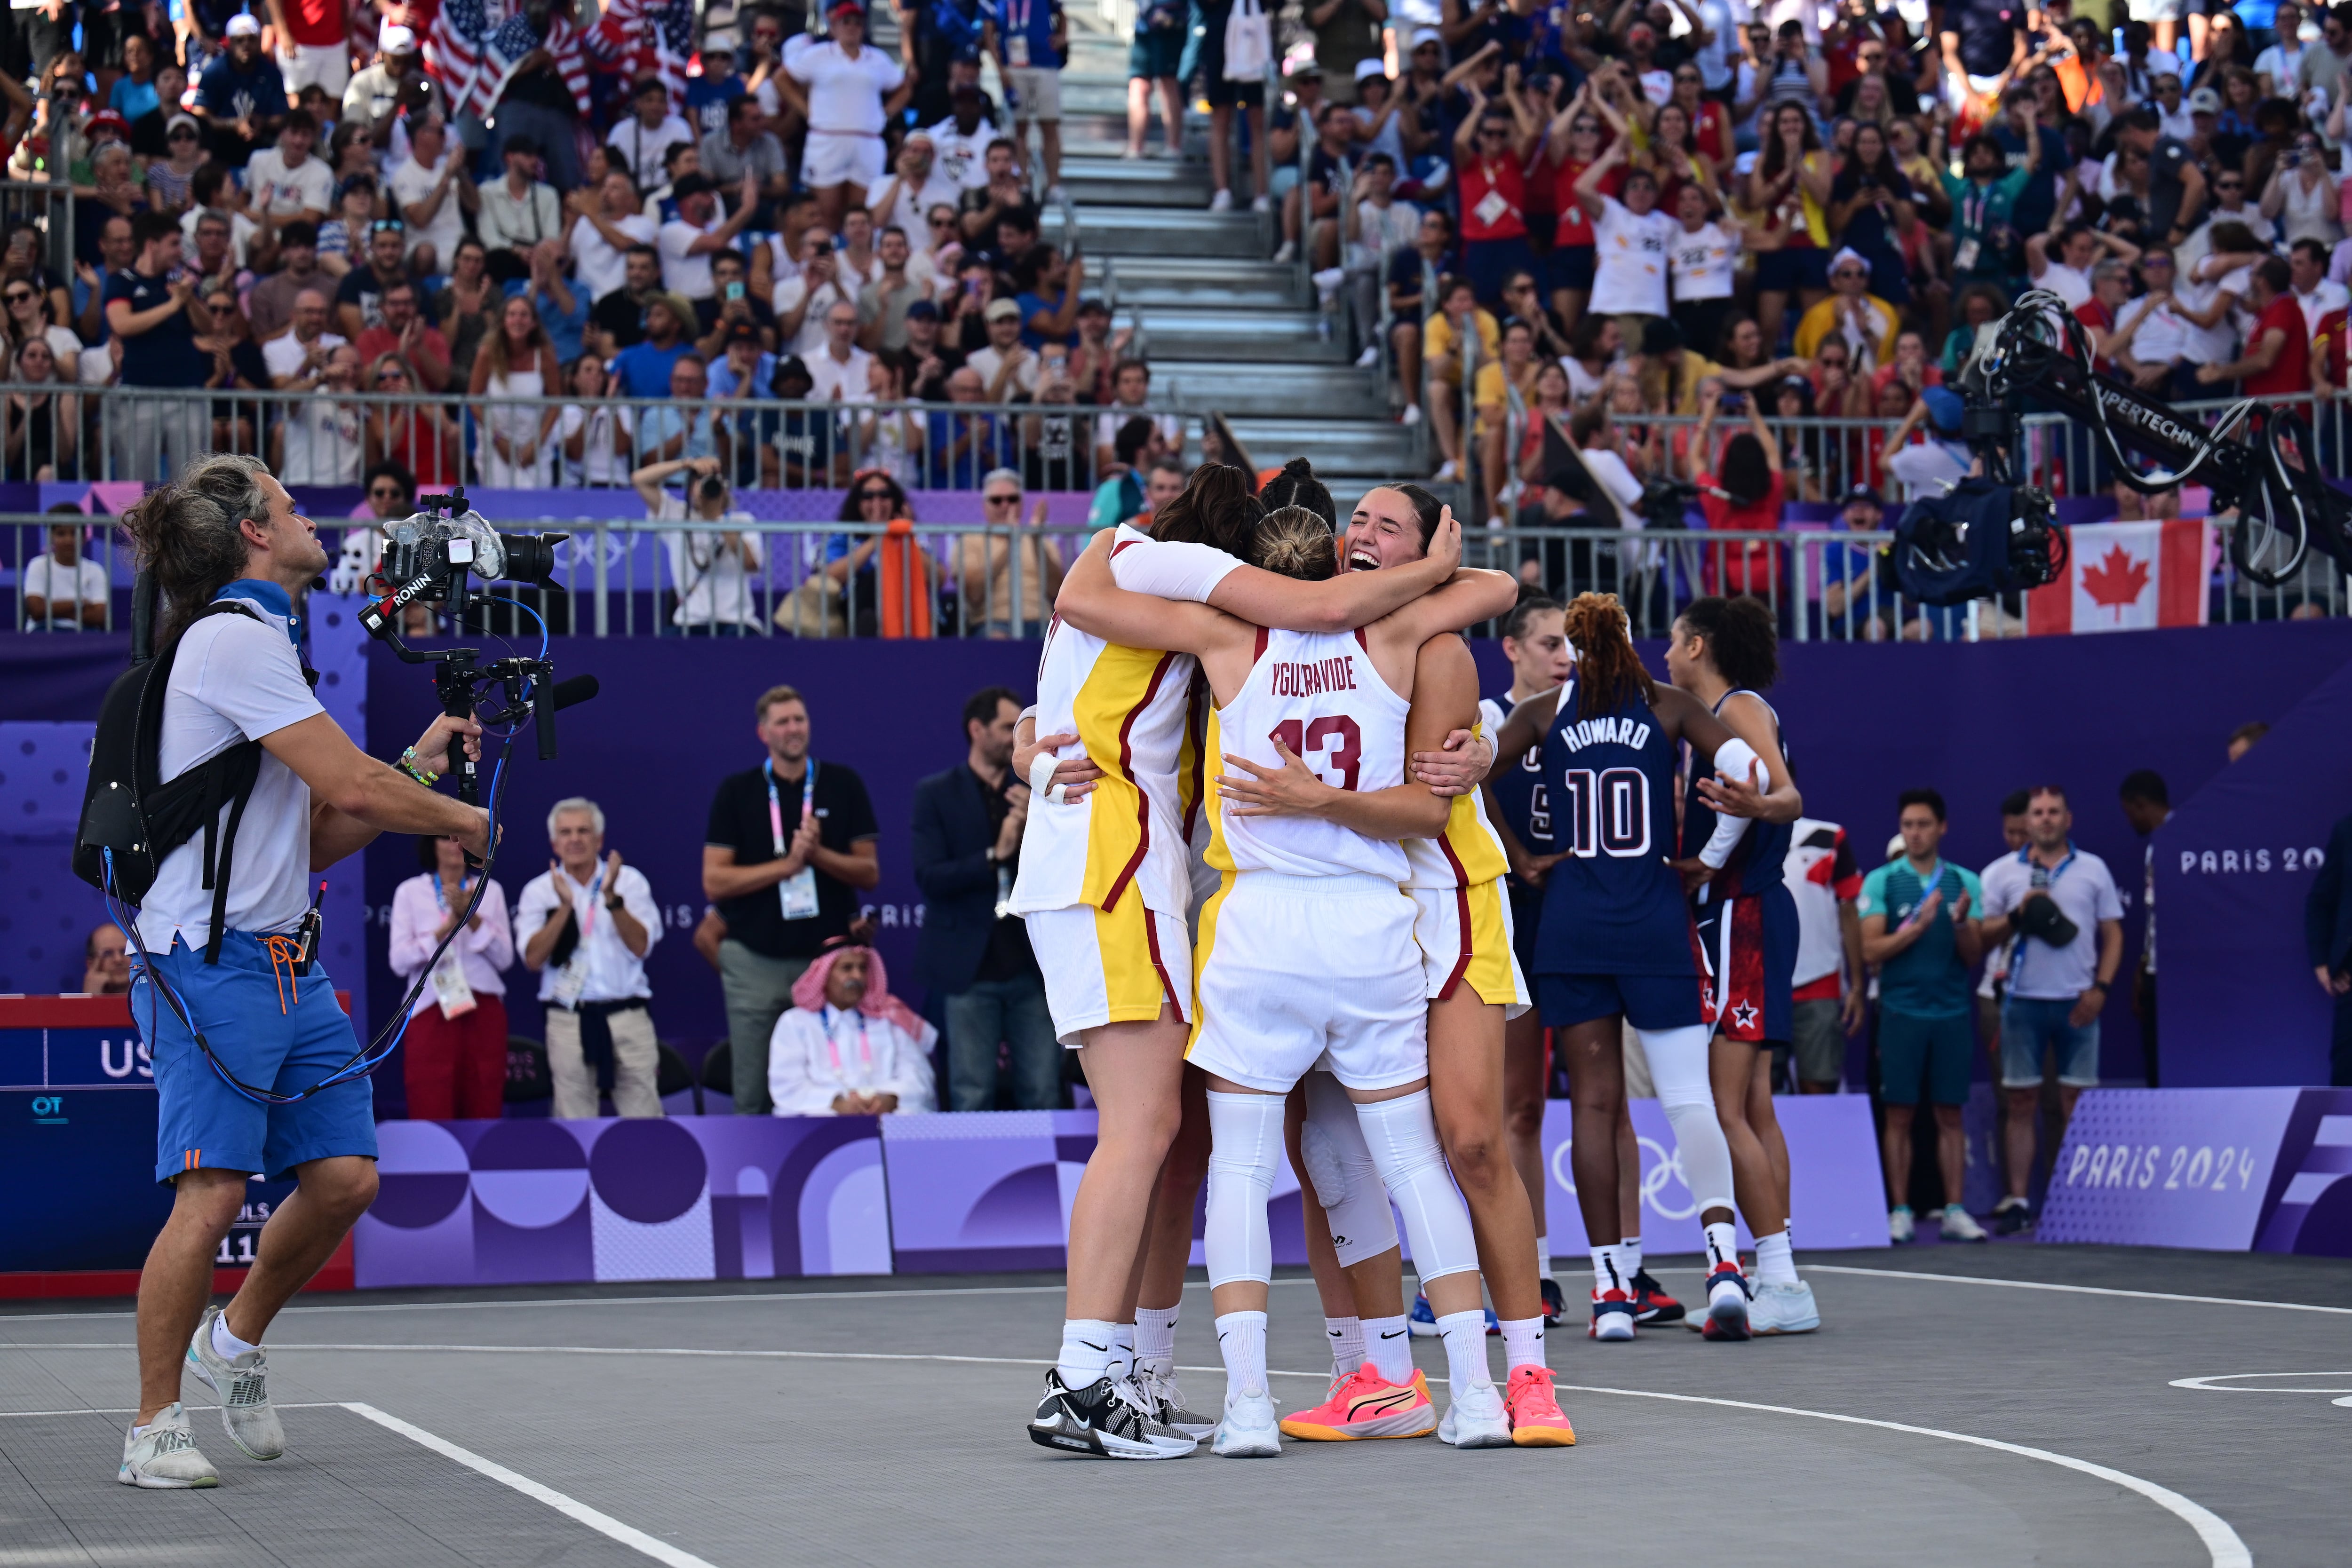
1215,507
1609,673
1295,542
1739,635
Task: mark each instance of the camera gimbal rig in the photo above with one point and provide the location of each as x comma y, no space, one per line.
429,556
2259,460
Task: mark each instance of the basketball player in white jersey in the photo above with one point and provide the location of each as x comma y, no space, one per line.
1105,888
1306,953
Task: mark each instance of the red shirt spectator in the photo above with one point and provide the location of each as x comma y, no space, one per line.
1746,566
1494,197
2291,372
1575,224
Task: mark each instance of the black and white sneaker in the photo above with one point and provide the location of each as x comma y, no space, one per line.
1167,1405
1097,1421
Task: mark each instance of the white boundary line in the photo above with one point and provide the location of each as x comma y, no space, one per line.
2072,1290
2221,1542
2211,1383
127,1410
660,1550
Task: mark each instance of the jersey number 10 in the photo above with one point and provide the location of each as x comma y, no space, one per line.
1608,812
1347,743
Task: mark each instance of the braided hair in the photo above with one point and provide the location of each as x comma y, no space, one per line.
1609,673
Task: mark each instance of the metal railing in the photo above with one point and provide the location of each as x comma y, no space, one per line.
737,576
48,206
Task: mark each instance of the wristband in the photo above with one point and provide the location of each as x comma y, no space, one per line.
1040,778
416,769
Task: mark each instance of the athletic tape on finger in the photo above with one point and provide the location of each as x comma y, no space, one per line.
1040,778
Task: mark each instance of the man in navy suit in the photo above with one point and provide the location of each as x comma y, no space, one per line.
2327,933
968,823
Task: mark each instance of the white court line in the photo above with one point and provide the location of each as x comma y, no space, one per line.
2072,1289
660,1550
2221,1543
2211,1383
127,1410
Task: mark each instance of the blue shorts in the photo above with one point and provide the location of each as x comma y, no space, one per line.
2028,1024
1916,1053
200,1121
1786,270
1647,1001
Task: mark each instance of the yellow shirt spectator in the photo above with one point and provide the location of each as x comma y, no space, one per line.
1437,340
1822,320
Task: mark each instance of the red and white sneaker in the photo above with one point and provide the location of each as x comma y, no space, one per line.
1613,1315
1651,1304
1367,1404
1727,1305
1537,1419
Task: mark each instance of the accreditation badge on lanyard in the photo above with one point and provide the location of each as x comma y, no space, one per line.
449,987
1016,33
798,891
572,978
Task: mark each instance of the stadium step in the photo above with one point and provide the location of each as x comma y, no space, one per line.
1338,449
1307,392
1120,230
1150,283
1107,179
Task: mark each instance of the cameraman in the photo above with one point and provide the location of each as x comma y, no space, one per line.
226,530
2062,902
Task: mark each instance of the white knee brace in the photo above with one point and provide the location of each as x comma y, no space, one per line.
1340,1170
1402,1136
1678,1068
1244,1142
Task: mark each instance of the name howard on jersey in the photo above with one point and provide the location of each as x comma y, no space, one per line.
1307,680
1616,731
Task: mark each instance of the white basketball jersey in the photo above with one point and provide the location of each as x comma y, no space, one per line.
1319,692
1127,706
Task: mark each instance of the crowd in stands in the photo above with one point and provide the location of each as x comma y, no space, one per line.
1619,211
558,210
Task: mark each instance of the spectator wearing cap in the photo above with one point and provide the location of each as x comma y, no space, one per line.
1007,368
1031,40
745,150
851,86
359,297
643,369
285,181
689,240
882,304
377,94
1866,323
929,357
646,133
1154,51
241,96
518,212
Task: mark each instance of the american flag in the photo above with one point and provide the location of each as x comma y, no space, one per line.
473,59
645,37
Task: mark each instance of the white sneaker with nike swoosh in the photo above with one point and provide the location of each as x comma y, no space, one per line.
243,1386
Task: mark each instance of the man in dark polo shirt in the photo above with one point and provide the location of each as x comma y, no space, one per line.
154,309
790,846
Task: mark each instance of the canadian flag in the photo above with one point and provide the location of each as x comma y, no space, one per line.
2127,577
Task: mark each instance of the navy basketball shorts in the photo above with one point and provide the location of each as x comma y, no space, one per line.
1646,1002
1750,948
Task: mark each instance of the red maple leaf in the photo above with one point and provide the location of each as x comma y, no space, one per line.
2116,579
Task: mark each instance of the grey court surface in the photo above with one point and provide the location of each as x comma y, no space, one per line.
1961,1405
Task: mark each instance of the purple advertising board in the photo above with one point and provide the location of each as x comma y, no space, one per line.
1836,1195
2225,1170
689,1197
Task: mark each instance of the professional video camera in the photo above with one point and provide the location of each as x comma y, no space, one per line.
428,558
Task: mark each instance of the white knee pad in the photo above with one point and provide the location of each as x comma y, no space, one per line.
1402,1136
1678,1067
1340,1170
1244,1142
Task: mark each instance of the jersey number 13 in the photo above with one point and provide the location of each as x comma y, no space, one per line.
1339,732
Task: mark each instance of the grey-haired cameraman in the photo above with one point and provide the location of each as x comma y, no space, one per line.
226,532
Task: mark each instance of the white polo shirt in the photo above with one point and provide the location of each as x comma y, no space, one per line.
2085,893
235,679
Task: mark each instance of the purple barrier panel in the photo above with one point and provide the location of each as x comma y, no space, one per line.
1837,1196
2309,1206
513,1202
983,1190
2167,1168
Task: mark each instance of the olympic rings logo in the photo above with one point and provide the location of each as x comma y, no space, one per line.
1655,1175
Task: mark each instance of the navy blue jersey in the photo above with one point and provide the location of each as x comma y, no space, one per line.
1521,794
1755,860
1616,905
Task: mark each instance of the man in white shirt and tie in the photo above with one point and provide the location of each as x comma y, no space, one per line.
586,928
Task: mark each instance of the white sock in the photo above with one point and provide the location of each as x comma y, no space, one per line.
1522,1341
1122,1353
1240,1340
1347,1337
1609,1272
1466,1349
1088,1345
1387,1345
1722,1246
1774,1262
1155,1338
1543,1257
226,1343
1630,1249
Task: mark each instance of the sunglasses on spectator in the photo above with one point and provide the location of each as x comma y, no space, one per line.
1584,128
2157,262
183,134
17,296
390,375
864,496
1010,499
1849,272
387,227
385,493
1686,76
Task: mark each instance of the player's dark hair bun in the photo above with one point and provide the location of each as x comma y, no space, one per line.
1296,486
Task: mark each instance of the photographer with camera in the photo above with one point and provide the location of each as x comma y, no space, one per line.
2062,902
710,568
236,950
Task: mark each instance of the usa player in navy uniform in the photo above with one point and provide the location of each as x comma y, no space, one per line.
1616,940
1724,653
